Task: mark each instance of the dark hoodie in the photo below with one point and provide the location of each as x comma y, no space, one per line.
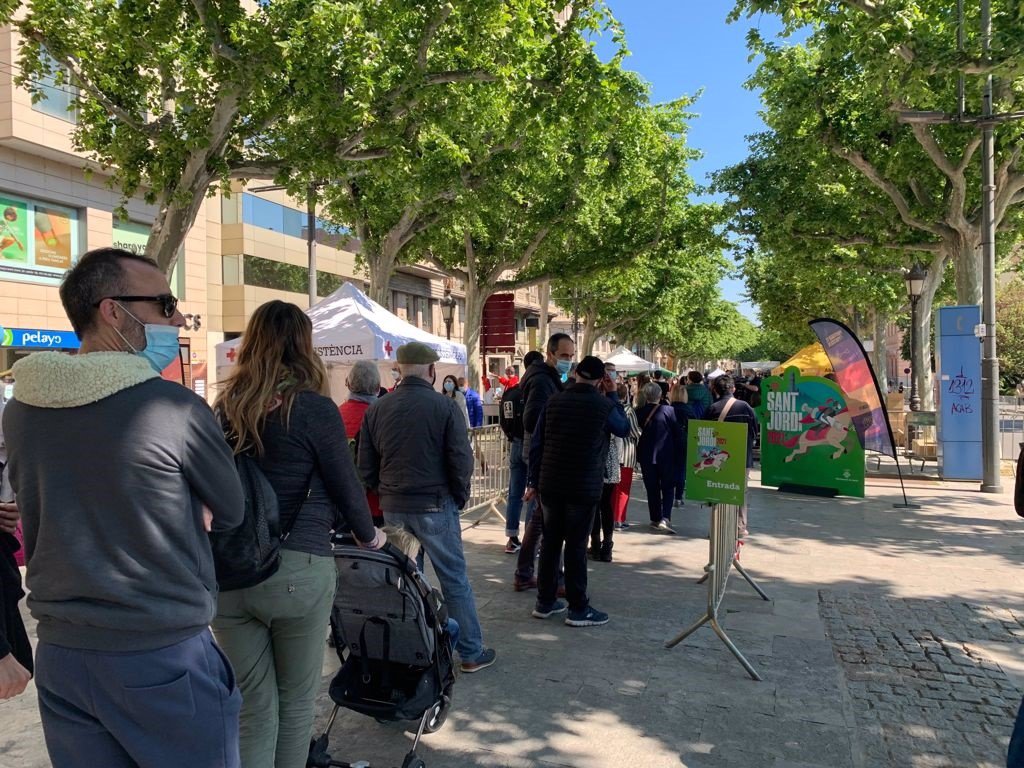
538,384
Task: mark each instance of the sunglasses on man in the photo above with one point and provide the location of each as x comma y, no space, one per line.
168,303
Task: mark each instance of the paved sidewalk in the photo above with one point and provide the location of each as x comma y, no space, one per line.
893,638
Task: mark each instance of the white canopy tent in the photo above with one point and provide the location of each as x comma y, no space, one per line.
626,362
349,326
715,374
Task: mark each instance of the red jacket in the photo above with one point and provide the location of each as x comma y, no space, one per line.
352,413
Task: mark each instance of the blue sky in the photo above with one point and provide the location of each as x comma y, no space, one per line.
683,46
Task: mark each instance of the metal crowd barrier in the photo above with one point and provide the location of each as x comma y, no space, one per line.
724,554
489,485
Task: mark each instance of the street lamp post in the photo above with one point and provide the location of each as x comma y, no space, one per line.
914,278
447,311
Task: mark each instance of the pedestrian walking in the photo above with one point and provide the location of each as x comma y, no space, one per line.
658,452
119,475
567,458
415,453
274,406
697,394
474,403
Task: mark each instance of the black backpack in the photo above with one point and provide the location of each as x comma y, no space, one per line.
251,553
510,414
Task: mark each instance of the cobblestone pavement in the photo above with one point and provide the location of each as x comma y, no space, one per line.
922,693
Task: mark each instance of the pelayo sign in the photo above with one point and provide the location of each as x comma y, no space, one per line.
37,338
716,462
807,435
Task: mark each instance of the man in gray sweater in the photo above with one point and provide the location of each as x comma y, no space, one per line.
119,476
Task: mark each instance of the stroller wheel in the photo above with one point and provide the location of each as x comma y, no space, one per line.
439,714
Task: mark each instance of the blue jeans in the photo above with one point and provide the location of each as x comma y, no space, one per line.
441,537
516,488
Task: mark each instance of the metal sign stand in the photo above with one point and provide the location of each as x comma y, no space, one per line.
723,555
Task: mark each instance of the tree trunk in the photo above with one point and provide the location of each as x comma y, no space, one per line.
476,297
921,358
545,299
178,205
379,268
589,336
965,251
878,356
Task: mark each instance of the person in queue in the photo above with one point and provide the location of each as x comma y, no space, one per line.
510,418
729,408
658,452
568,451
601,533
450,388
539,382
363,384
275,405
415,454
119,475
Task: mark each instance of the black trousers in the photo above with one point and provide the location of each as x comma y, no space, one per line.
567,523
13,637
604,520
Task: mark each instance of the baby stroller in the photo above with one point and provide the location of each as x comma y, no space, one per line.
390,630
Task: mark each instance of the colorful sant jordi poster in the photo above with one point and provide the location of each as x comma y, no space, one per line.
807,435
716,462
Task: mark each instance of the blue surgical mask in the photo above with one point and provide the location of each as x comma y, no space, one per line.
563,367
161,343
613,375
448,386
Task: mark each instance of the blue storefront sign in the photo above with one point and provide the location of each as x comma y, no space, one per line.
37,338
959,393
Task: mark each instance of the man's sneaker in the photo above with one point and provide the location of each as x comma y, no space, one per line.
522,585
664,526
588,617
484,660
658,525
544,611
678,503
624,524
513,546
617,526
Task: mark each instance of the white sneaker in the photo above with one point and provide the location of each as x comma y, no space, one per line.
664,526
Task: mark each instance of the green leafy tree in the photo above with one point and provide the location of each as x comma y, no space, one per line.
1010,335
176,96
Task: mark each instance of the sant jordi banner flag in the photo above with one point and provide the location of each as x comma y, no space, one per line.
857,379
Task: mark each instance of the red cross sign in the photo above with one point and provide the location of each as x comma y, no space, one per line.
231,354
388,348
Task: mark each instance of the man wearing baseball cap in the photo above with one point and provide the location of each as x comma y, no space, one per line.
567,458
415,453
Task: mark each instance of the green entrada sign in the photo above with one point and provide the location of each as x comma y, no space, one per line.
807,435
716,464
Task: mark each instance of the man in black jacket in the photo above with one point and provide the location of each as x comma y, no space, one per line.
540,381
414,452
567,458
510,417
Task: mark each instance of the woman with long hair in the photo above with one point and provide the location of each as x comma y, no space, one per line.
450,387
679,400
627,462
274,406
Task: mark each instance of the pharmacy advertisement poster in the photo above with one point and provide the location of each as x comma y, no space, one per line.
38,241
716,462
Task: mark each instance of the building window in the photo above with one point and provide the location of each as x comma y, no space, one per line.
56,96
288,221
266,273
426,313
